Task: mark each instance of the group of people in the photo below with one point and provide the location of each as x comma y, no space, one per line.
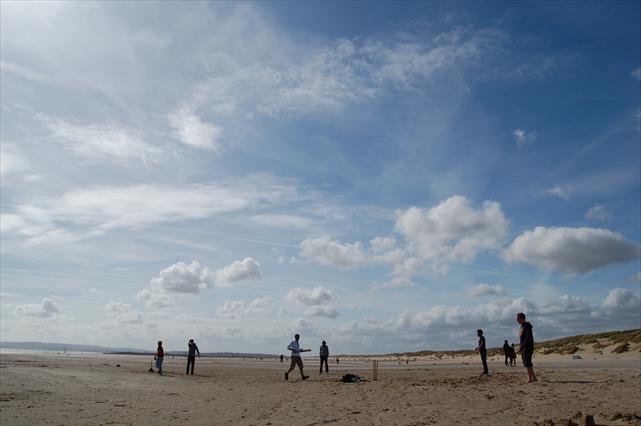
192,350
526,348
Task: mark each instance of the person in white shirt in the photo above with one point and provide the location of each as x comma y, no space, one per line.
296,350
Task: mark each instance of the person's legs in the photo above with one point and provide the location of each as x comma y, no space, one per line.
506,358
193,363
484,361
291,366
326,366
299,361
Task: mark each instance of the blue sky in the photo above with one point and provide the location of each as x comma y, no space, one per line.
384,176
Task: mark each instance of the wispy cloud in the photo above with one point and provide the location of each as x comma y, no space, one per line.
192,131
522,137
111,141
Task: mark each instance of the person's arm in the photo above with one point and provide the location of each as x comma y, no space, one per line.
197,350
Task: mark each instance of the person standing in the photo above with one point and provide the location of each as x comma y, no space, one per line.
159,357
507,352
296,350
191,356
281,358
324,355
527,345
481,349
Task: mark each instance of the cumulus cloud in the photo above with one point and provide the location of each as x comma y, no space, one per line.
326,251
571,250
318,302
522,137
597,212
235,309
239,270
316,296
94,141
154,300
192,131
46,309
447,326
483,289
636,73
453,230
622,300
183,278
322,311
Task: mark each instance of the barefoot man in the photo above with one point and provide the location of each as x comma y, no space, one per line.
296,359
527,345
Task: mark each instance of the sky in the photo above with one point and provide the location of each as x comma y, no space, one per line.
383,176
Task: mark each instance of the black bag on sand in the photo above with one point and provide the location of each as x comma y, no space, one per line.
350,378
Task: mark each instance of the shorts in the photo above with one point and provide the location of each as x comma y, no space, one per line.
159,362
526,355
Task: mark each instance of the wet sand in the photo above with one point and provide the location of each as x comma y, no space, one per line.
93,389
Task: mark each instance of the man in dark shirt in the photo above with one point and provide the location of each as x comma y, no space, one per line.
482,350
506,352
527,345
324,355
191,356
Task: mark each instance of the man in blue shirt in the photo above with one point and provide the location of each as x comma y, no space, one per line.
527,345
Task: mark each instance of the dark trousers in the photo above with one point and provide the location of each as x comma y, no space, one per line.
324,360
191,360
484,361
507,358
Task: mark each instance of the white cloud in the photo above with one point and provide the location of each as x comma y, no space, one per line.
571,250
329,76
183,278
194,132
316,296
154,300
636,73
239,270
597,212
452,231
326,251
91,211
483,289
95,141
235,309
561,191
123,313
522,137
622,300
321,311
46,309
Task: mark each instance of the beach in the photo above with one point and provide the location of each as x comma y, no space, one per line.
118,389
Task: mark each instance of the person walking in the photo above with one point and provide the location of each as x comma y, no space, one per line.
324,355
527,345
191,356
481,349
159,357
296,350
507,352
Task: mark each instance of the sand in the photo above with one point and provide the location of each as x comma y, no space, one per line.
59,389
